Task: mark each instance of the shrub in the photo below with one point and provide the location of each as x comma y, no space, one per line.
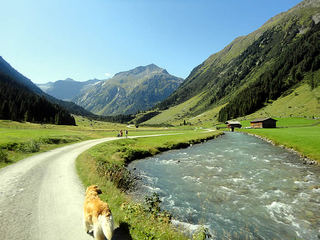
201,234
152,205
59,140
150,208
4,156
28,147
120,176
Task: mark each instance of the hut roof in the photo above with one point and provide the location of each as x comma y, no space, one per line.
262,120
233,122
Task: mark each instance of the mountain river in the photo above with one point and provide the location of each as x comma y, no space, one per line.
238,186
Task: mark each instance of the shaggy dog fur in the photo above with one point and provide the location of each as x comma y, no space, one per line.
97,215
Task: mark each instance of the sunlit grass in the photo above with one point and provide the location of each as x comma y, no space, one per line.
288,122
305,140
17,137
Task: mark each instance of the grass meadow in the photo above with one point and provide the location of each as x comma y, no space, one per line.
300,134
19,140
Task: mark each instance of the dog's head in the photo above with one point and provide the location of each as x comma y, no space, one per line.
93,189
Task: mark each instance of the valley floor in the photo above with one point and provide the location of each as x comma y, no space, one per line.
19,140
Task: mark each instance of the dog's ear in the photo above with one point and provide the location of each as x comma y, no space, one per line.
99,191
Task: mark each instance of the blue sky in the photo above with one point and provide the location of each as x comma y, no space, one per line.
49,40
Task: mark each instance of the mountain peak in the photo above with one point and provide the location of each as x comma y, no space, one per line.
150,68
139,70
69,80
153,67
130,91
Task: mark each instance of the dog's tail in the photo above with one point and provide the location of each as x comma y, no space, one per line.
106,223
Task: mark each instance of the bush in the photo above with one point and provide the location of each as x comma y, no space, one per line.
150,208
201,234
28,147
4,156
59,140
120,176
152,204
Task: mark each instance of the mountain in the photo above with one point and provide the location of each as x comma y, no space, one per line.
15,80
130,91
6,69
20,101
66,89
253,70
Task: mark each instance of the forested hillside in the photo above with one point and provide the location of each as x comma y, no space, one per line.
7,70
18,103
256,69
291,61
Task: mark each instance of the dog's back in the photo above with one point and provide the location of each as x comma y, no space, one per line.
97,215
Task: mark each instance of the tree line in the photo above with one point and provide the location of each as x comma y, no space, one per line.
295,59
17,103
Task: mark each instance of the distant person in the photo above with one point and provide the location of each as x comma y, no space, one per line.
121,133
126,132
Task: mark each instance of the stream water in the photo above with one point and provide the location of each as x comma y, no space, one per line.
238,186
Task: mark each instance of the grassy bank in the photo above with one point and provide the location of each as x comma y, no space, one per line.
104,165
299,134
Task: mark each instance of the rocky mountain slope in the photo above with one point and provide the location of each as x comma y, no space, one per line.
66,89
130,91
254,69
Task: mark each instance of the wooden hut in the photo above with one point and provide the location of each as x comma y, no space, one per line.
264,123
233,124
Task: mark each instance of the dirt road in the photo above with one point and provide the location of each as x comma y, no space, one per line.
41,197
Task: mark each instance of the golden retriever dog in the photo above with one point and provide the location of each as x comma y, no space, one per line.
97,215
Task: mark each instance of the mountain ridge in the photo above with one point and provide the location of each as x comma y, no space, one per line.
223,75
7,70
66,89
129,91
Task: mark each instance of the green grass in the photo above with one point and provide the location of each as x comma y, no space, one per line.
176,114
302,135
301,102
20,140
288,122
142,224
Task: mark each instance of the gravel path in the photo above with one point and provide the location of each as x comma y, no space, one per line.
41,197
